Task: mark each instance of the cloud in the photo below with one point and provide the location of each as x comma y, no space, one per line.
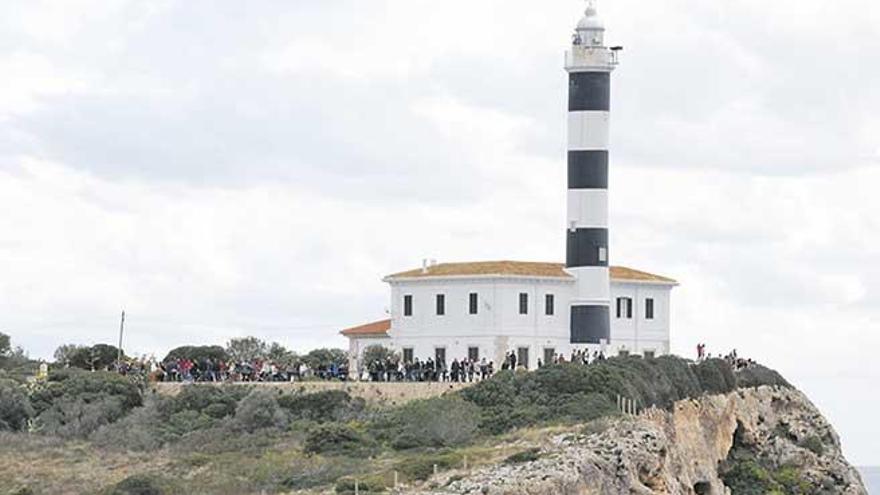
227,168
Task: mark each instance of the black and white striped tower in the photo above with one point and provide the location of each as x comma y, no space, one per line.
589,64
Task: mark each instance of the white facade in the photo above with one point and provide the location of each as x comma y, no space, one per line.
499,326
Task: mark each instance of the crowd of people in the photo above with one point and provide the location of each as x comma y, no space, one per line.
460,371
257,370
389,369
576,357
215,370
463,370
732,358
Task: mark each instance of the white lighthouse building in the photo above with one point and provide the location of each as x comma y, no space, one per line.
488,309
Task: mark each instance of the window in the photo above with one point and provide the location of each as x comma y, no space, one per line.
649,309
440,355
649,354
441,304
474,353
549,355
624,307
407,305
548,305
522,357
523,303
473,299
408,355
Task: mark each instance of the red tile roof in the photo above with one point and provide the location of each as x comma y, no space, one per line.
375,329
520,268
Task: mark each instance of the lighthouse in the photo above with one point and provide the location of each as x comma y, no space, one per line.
589,64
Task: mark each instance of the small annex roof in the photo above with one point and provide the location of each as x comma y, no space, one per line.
375,329
518,269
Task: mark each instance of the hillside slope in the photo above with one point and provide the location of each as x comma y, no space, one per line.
765,440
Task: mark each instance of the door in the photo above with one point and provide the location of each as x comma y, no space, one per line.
440,355
522,357
549,355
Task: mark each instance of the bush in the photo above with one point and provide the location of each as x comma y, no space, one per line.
317,471
334,438
571,392
137,485
716,376
530,455
75,403
421,467
15,407
216,402
584,407
365,484
331,405
747,477
142,430
814,444
438,422
257,411
756,375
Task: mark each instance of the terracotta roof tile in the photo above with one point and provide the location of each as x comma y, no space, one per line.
376,328
519,268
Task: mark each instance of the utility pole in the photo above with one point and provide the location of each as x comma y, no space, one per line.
119,349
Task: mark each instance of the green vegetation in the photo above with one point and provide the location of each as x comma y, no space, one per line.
747,474
529,455
567,393
238,439
814,444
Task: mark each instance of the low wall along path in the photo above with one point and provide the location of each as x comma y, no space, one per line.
377,393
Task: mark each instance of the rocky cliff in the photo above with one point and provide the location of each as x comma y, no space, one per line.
765,440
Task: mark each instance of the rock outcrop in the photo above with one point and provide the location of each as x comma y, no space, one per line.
684,451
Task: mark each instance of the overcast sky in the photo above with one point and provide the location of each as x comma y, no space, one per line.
227,168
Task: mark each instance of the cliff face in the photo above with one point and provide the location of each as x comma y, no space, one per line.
766,440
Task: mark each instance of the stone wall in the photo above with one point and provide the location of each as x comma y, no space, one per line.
390,394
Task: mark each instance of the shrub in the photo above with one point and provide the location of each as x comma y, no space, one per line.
584,407
216,402
15,407
438,422
365,484
747,477
75,403
137,485
76,417
530,455
571,392
88,386
317,471
144,429
716,376
814,444
421,467
257,411
331,405
756,375
334,438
